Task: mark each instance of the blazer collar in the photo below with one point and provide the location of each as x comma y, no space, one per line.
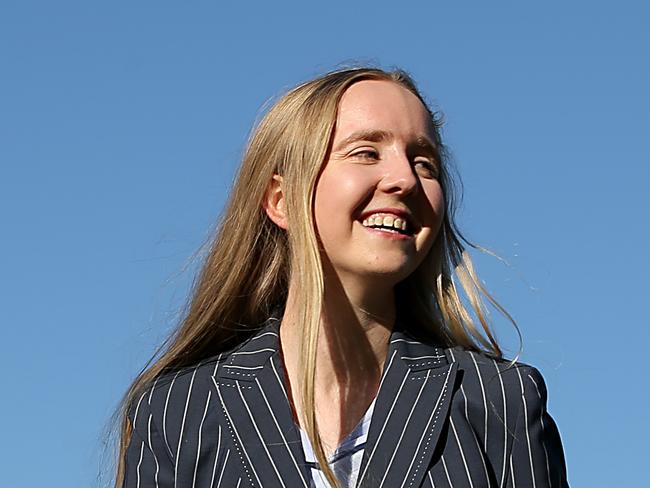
251,389
410,410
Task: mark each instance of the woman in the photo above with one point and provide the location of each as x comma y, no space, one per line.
326,343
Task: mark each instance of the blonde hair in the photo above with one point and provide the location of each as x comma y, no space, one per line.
251,260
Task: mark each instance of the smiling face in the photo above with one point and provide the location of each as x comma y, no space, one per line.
378,204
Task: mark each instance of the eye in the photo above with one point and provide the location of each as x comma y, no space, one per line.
369,154
427,168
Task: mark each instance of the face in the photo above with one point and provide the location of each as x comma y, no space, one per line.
378,202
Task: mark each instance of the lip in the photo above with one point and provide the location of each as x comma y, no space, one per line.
387,234
399,212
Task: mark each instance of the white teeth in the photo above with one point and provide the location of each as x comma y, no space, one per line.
385,221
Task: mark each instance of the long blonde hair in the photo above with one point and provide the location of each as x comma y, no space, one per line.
251,260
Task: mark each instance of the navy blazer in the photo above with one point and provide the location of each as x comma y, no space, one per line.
443,418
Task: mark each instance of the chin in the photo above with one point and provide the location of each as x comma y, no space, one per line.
392,275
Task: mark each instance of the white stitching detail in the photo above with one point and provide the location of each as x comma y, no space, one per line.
426,446
234,386
237,373
430,376
426,363
234,439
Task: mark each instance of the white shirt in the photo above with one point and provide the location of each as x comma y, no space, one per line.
345,461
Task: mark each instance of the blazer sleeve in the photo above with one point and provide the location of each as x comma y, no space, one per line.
148,463
537,457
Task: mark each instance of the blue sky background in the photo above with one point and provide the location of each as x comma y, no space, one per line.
121,125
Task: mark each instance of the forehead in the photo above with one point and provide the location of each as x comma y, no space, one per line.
381,105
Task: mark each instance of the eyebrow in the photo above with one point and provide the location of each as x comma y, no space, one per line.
375,135
425,144
364,135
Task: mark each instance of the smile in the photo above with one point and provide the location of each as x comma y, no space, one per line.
387,223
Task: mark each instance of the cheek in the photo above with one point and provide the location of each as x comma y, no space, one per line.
341,193
328,206
435,213
324,201
435,202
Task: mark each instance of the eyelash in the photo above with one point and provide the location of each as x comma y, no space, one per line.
367,154
371,154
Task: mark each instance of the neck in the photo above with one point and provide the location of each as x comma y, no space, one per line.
352,345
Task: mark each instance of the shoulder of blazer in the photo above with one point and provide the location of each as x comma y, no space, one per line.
177,403
492,388
505,402
498,383
506,397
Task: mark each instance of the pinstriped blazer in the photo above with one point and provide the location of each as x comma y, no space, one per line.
443,418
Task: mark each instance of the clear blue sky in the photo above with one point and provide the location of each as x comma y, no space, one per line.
121,124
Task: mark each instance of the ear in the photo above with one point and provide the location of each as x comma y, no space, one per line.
273,202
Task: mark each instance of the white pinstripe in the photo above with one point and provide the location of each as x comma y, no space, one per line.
216,365
478,445
225,409
155,382
137,407
169,392
135,419
536,387
444,465
198,447
541,419
216,456
422,357
480,380
225,461
462,390
180,434
530,452
281,383
462,454
139,464
390,364
408,419
257,430
262,335
505,425
431,479
424,432
242,353
234,366
405,341
383,427
155,458
277,425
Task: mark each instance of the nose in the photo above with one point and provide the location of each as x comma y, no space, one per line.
399,176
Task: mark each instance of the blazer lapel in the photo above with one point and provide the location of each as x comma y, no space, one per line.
254,406
411,408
